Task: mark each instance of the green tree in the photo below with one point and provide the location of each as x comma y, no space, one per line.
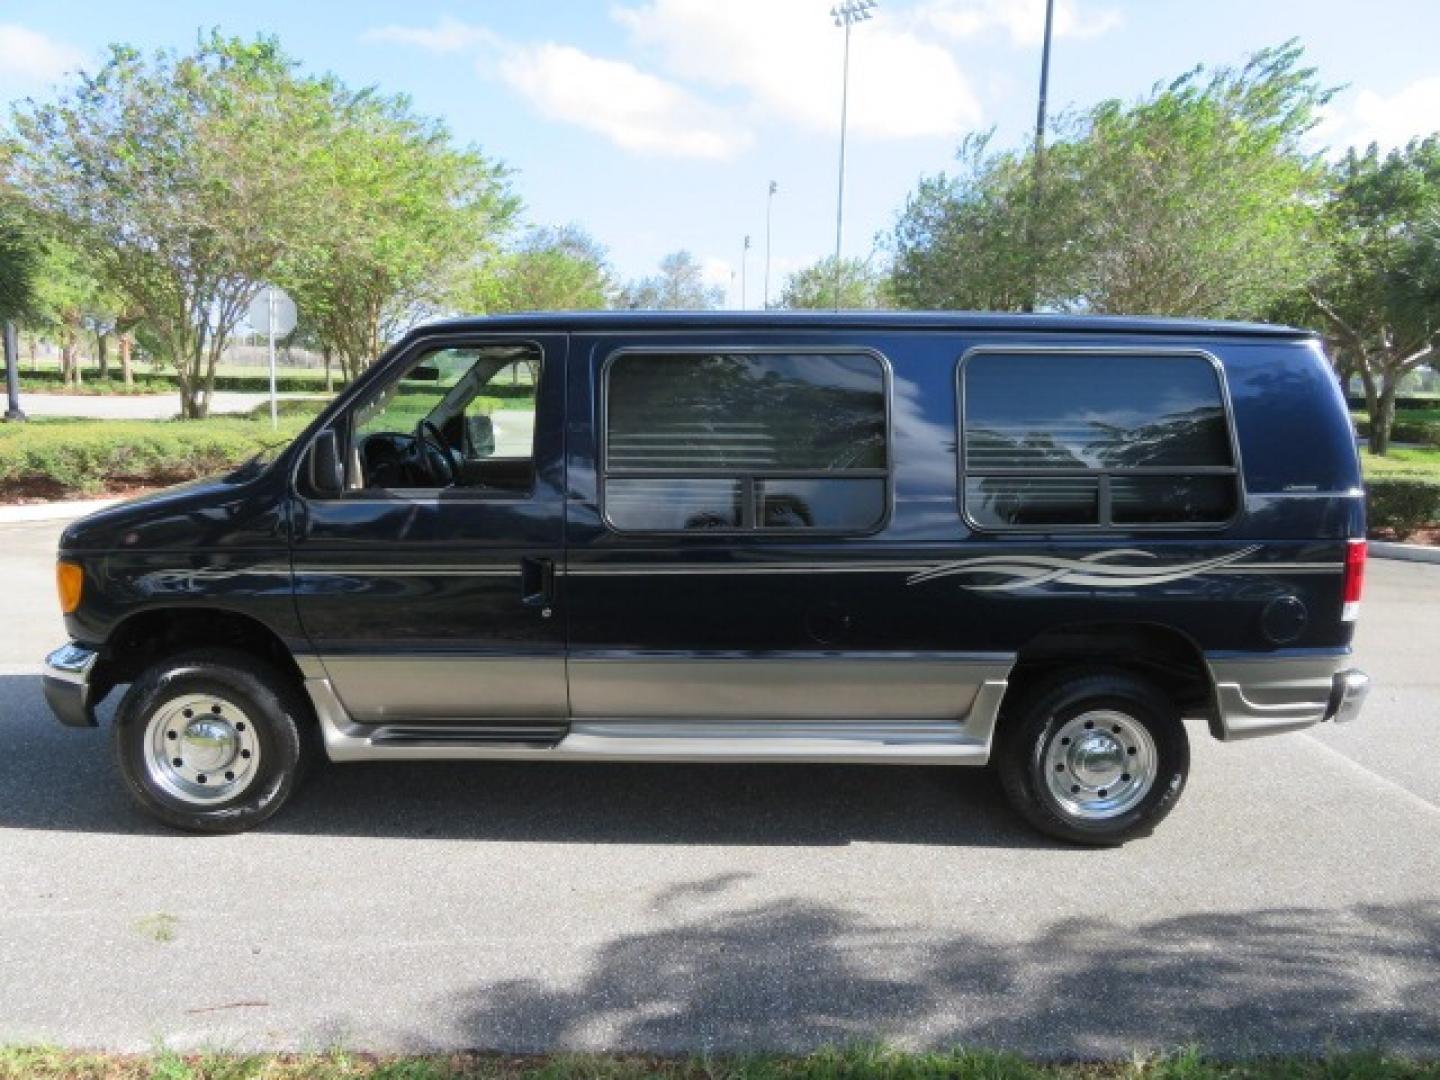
960,242
861,286
19,262
679,286
174,175
67,293
1378,294
396,214
1197,200
552,269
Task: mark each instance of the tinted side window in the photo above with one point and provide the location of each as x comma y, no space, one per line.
744,441
1094,439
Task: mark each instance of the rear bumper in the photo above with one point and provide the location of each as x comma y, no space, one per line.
1271,695
67,684
1348,697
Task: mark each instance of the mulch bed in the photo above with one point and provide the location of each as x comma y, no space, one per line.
30,492
1429,535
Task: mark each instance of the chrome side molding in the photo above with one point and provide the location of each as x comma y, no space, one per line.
963,742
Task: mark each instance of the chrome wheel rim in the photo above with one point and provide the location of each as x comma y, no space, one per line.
201,749
1100,764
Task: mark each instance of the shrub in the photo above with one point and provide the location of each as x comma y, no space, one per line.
1401,504
1403,402
1421,432
304,408
47,381
85,455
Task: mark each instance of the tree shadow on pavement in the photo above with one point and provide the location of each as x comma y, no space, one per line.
65,779
795,976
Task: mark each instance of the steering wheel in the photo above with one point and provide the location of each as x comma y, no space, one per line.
432,455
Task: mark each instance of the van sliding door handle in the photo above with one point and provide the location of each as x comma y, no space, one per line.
537,581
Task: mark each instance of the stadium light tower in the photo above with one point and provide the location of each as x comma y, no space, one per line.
846,14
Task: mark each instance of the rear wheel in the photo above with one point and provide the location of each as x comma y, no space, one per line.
211,740
1094,759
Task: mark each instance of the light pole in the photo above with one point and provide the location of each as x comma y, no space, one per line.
744,258
12,373
846,14
1039,155
769,205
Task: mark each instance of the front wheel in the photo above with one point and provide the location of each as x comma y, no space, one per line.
1095,759
211,740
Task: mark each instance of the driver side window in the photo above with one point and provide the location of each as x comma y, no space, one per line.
460,417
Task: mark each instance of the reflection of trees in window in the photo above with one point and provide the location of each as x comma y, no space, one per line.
1195,437
1033,500
792,412
1099,416
757,418
987,448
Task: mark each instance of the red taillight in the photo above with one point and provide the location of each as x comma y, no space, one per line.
1354,579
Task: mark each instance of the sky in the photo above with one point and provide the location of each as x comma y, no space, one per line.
659,124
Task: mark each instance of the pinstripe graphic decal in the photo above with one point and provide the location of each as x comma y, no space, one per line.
1096,571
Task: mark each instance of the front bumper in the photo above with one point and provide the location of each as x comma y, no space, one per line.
1272,695
67,684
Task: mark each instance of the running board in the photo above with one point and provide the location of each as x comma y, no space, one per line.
957,742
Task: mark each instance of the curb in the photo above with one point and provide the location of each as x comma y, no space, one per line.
53,511
1426,553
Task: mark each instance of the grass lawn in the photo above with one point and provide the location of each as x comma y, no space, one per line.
862,1064
1411,463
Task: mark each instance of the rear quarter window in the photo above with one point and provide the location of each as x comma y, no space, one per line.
1094,439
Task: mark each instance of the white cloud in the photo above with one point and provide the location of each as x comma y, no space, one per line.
785,59
1411,112
632,108
30,58
1023,20
446,36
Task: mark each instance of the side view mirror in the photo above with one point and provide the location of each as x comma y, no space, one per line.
327,474
482,435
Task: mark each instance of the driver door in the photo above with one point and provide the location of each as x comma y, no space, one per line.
429,587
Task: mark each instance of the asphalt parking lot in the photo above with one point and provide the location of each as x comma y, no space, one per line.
1291,903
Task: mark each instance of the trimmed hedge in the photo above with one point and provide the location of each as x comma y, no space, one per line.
306,409
47,380
1401,504
83,456
43,383
1403,402
1420,432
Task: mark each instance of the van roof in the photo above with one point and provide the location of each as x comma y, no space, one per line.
887,320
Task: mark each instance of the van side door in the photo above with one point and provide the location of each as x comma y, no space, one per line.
431,588
728,551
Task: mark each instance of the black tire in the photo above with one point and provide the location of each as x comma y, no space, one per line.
1026,738
276,716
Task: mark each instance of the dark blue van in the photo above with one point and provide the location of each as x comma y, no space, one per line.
1037,542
